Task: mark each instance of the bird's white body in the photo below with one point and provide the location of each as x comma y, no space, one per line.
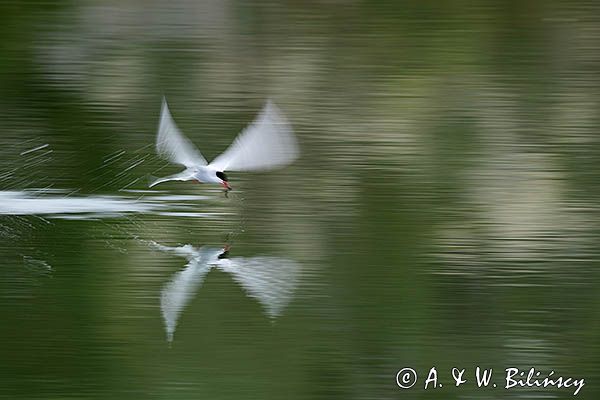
206,175
202,174
265,144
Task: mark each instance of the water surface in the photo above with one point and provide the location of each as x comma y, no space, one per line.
444,211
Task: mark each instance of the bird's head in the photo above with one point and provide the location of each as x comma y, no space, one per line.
223,178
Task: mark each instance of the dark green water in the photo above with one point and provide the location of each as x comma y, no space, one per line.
444,211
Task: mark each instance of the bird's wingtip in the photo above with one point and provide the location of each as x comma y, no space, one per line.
270,103
271,108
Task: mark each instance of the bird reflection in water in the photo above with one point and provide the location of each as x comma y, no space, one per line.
270,280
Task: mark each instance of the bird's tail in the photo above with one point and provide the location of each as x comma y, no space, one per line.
153,181
182,176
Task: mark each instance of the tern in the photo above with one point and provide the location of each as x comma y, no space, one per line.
267,143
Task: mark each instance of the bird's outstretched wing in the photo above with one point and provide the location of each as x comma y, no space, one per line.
177,294
265,144
172,145
271,280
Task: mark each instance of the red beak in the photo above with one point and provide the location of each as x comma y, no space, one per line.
226,185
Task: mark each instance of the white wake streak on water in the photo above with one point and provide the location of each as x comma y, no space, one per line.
93,207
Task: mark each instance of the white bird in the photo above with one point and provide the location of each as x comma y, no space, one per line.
267,143
270,280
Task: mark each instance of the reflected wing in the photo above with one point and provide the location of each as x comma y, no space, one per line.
179,292
271,280
176,294
265,144
172,145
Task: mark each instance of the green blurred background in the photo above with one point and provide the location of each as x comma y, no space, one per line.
444,211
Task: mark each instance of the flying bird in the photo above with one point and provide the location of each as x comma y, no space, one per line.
267,143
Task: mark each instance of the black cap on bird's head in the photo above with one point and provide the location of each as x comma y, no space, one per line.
223,255
221,175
